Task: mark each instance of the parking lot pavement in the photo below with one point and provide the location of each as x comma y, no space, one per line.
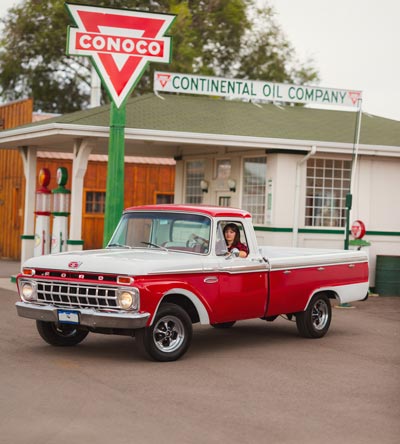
8,271
257,382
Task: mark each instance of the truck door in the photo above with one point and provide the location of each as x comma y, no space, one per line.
243,283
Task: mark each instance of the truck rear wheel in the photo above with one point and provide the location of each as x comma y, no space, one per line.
60,335
315,321
169,336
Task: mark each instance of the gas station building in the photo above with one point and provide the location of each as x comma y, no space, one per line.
290,166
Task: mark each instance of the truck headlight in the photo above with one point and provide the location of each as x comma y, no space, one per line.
128,298
28,291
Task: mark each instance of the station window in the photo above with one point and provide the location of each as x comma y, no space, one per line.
194,175
328,182
164,198
254,187
95,202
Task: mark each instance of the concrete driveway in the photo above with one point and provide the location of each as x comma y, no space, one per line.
255,383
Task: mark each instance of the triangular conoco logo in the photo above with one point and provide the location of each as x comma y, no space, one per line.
163,78
120,42
354,96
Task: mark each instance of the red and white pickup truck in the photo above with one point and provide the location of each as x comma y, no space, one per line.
168,267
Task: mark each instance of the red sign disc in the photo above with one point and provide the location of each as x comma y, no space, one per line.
358,229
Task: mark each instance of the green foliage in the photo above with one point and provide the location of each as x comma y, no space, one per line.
229,38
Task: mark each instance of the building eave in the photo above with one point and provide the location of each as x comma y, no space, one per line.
60,137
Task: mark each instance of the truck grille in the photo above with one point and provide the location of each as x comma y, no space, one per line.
77,295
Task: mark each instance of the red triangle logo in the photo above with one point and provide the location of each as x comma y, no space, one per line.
163,78
120,42
354,96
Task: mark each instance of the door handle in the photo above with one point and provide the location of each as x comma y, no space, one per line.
210,280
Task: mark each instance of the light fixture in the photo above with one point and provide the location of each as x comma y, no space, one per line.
204,186
232,185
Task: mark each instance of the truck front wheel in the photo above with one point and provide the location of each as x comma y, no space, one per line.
60,335
169,336
315,321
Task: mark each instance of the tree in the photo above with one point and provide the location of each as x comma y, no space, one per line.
210,37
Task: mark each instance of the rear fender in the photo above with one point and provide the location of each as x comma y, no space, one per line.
343,293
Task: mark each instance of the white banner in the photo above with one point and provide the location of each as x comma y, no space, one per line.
253,89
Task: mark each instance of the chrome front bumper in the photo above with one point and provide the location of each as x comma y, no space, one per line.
87,317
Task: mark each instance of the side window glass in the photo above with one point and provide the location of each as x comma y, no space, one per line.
221,247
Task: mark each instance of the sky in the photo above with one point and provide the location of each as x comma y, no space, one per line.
354,44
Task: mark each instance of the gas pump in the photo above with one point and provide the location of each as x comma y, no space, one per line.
42,213
61,199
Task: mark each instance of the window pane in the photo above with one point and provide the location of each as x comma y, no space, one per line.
95,202
254,187
194,175
164,198
223,168
325,196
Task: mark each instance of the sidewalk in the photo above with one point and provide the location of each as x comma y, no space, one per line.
8,269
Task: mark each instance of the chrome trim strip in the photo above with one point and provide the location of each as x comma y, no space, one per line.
88,317
253,268
289,266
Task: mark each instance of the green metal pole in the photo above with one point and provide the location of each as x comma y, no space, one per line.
115,171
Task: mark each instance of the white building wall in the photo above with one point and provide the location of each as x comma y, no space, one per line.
376,200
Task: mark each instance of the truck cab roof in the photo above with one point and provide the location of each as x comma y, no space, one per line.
209,210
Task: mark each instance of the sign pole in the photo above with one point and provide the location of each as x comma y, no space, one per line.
349,196
121,43
115,171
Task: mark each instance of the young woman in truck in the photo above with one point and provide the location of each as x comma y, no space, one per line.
232,239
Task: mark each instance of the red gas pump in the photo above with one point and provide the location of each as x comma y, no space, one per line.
42,213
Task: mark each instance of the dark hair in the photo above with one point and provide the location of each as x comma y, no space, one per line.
234,228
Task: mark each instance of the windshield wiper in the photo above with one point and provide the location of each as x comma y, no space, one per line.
154,245
115,244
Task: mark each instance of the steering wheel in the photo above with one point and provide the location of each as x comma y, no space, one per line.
195,240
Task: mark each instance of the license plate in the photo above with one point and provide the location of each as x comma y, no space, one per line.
68,317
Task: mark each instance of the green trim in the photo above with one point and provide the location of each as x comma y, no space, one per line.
27,237
323,231
60,190
383,233
274,229
74,242
60,214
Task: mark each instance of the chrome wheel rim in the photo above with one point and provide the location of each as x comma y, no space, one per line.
320,314
168,334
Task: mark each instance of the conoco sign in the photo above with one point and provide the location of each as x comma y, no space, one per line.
121,43
358,229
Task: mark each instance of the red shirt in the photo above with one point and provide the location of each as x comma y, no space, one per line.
240,247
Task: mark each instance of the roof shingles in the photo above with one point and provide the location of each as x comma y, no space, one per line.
194,114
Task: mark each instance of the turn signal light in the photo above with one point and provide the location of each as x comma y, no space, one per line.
126,280
28,271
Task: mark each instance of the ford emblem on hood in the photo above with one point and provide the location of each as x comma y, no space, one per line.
74,264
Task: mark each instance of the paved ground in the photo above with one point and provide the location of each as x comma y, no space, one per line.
255,383
7,270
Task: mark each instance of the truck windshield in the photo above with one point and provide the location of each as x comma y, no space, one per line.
171,231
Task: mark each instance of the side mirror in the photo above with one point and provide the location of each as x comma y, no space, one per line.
234,252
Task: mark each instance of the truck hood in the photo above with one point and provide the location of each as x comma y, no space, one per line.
133,262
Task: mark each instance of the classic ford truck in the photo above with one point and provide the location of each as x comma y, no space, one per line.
168,267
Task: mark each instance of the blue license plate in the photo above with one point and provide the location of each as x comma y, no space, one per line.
68,317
